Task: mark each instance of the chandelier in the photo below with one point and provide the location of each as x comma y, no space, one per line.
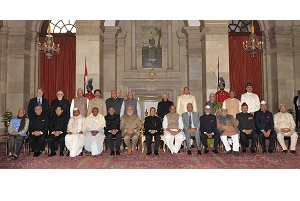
48,47
252,45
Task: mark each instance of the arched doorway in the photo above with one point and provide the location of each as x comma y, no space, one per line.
59,73
242,67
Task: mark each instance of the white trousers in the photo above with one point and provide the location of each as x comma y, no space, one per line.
74,143
169,141
235,142
294,138
94,144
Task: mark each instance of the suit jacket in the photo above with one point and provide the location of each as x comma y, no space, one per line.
222,122
246,121
208,123
64,103
33,103
58,123
152,123
195,120
39,123
163,108
263,120
295,102
112,122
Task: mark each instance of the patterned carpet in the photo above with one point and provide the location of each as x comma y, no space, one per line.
163,161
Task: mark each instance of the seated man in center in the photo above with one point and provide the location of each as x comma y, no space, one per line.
227,127
153,127
94,132
173,126
130,127
191,125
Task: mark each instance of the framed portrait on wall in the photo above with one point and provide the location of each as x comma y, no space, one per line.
151,46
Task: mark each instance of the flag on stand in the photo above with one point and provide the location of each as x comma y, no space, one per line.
85,72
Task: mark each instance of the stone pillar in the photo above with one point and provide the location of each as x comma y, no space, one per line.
170,46
296,45
183,59
195,65
133,45
3,70
110,60
214,44
89,45
120,59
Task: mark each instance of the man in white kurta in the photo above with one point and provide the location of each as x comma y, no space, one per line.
284,125
74,139
184,99
94,132
251,99
173,127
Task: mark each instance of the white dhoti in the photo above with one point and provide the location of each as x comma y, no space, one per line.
94,144
74,143
235,142
169,140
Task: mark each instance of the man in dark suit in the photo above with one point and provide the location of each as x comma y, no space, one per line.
153,125
38,101
265,127
62,102
112,130
247,128
191,125
297,108
208,129
57,131
164,106
38,131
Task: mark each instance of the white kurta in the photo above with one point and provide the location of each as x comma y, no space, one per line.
169,138
182,102
252,101
94,144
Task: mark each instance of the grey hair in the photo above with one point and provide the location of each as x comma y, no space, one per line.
38,106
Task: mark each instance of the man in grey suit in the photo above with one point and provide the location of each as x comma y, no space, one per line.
191,125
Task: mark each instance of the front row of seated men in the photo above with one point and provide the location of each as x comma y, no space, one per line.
78,132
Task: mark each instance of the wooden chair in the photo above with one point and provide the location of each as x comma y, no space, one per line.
25,146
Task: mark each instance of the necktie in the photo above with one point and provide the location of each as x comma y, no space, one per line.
39,102
190,120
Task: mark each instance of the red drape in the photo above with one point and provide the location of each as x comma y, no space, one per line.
59,73
243,68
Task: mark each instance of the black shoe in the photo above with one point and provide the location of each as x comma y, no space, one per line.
264,151
10,158
156,153
199,152
253,151
52,154
189,152
34,154
215,151
112,153
244,151
178,151
206,151
284,151
117,152
293,151
228,152
81,154
270,151
61,154
148,153
68,153
236,153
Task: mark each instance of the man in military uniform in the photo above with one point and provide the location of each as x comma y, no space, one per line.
265,127
247,128
222,94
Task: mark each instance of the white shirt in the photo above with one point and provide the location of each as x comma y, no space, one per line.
252,101
192,124
182,102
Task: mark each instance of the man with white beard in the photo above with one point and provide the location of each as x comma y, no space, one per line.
94,135
75,138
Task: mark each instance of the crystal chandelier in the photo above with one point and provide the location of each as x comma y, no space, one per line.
49,48
252,45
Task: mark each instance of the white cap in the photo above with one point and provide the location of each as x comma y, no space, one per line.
263,102
75,108
224,107
207,106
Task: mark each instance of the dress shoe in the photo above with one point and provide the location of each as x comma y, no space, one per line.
68,153
253,151
148,153
199,152
236,153
293,151
10,158
81,154
244,151
35,154
178,151
129,152
133,151
216,151
156,153
264,151
189,152
61,154
117,152
52,154
270,151
284,151
228,152
112,153
206,151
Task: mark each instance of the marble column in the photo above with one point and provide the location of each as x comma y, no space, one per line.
133,46
214,44
89,45
170,46
296,45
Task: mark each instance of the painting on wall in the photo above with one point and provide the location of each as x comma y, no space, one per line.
151,47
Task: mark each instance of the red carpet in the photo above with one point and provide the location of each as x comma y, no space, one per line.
163,161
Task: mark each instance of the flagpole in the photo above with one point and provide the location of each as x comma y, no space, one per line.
84,76
218,74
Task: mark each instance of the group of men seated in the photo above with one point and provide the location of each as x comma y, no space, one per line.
84,124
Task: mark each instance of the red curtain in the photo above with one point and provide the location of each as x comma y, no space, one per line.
59,73
243,68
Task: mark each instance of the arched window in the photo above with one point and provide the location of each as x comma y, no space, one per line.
63,26
243,26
